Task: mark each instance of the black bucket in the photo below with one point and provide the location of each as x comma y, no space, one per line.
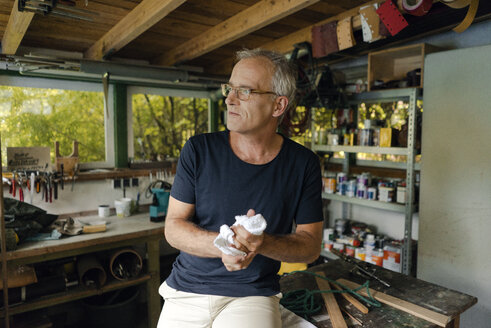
116,309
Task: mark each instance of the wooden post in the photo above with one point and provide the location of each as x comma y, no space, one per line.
4,253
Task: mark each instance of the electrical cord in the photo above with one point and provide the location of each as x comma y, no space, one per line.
302,301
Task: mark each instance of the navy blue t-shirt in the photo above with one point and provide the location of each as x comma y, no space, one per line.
221,186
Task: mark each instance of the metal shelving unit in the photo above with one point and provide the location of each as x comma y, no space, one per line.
410,95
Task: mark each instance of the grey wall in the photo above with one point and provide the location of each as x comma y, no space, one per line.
455,203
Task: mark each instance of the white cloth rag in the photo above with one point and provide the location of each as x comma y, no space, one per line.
254,224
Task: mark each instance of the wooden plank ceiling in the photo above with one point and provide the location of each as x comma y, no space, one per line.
195,33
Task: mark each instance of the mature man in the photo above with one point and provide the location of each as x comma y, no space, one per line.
249,168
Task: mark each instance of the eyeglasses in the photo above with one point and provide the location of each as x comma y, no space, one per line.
242,93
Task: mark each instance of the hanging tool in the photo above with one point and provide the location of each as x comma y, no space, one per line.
62,167
13,185
75,171
50,187
32,186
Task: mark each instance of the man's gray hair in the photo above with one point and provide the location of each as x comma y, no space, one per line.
284,78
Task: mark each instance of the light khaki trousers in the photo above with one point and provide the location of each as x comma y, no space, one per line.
189,310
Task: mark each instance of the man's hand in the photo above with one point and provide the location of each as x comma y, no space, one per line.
244,238
236,263
246,242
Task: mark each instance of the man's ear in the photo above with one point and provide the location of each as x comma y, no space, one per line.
281,103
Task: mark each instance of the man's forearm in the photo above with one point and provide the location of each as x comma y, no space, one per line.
190,238
296,247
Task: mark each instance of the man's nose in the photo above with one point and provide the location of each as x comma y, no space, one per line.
232,97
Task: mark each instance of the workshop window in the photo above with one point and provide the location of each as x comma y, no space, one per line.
162,124
32,117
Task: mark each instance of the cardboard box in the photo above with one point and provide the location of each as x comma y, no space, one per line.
395,63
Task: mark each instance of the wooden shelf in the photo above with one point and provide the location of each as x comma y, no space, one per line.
72,294
401,208
362,149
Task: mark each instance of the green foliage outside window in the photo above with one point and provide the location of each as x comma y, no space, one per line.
162,125
31,117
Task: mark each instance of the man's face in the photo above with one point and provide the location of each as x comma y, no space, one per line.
257,113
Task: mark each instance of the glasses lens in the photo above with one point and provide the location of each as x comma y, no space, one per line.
244,93
226,90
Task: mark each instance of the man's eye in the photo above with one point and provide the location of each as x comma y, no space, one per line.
245,92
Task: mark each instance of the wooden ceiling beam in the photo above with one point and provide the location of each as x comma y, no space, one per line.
247,21
140,19
285,44
16,29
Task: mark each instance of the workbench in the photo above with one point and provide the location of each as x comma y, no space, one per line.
121,232
430,296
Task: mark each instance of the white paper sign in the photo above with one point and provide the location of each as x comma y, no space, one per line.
28,158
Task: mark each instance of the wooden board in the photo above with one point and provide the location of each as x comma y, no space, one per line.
357,304
416,310
332,306
423,293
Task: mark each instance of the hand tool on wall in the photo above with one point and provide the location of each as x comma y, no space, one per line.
62,167
32,183
76,168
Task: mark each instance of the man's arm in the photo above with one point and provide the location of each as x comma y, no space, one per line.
183,234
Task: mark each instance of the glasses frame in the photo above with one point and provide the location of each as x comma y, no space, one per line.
243,93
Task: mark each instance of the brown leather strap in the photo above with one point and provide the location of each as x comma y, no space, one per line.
344,30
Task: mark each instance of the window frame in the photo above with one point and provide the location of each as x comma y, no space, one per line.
53,83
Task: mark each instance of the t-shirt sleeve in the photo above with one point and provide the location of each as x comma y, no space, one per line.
310,206
183,188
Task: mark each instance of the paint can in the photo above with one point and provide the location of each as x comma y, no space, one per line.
340,177
350,250
351,188
103,211
338,246
330,184
377,257
372,193
343,186
341,226
401,194
361,192
392,257
360,253
328,244
328,234
386,194
369,244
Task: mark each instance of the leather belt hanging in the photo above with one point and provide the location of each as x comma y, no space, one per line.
370,23
471,12
345,34
391,17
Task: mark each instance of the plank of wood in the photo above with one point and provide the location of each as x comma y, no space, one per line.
357,304
140,19
416,310
16,28
249,20
332,306
355,320
285,44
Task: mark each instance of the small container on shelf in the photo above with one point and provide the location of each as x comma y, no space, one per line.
386,194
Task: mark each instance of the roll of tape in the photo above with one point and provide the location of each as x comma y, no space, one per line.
417,7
